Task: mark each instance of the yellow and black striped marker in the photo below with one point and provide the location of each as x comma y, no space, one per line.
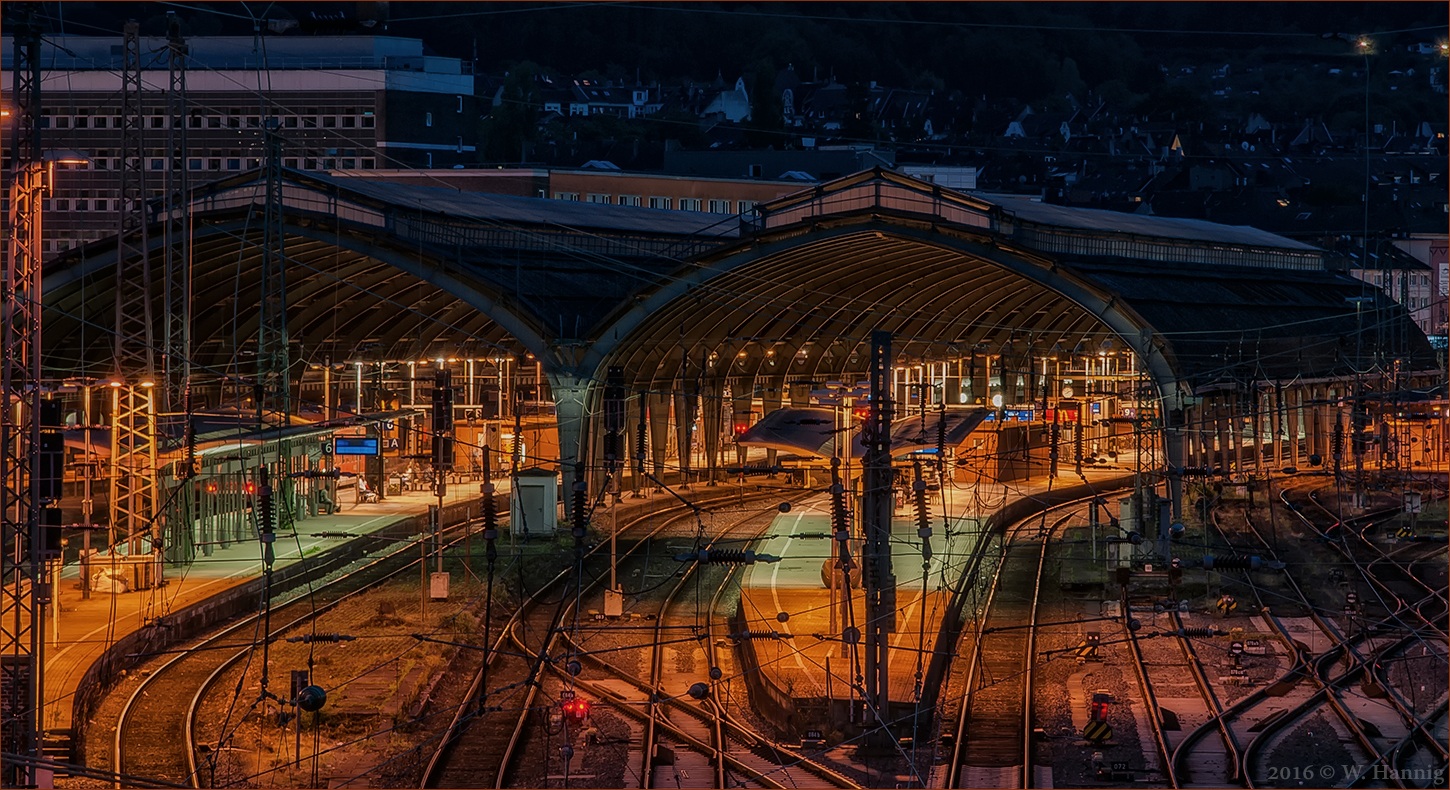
1097,731
1404,532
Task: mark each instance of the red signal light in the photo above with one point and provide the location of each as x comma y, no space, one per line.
576,710
250,488
740,427
1100,705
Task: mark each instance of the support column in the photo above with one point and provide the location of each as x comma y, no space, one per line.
800,395
1199,434
634,410
685,405
771,399
1176,450
571,398
1256,419
742,402
1217,413
1291,424
712,401
1235,437
1310,406
659,430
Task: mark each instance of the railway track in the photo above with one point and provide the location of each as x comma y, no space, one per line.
1333,689
1418,741
155,732
681,723
993,746
469,753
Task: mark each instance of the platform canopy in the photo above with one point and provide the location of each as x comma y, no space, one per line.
813,431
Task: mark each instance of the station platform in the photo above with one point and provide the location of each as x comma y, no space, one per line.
808,677
80,628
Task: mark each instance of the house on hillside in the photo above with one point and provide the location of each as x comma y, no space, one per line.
728,104
620,101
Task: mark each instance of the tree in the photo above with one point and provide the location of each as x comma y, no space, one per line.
510,131
767,119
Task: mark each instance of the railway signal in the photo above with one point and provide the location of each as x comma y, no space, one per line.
576,710
1099,707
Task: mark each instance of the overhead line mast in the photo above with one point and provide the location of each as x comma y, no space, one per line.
133,500
177,226
25,588
877,508
180,544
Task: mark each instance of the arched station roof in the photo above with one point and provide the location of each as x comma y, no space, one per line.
388,271
384,271
950,275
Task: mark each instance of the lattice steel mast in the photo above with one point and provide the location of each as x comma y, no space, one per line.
133,501
272,350
26,592
176,312
178,236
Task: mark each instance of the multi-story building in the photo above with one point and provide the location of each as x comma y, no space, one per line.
1407,280
341,103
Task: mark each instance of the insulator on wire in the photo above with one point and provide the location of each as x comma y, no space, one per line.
1198,632
923,512
941,438
490,509
840,517
1236,561
923,515
757,635
190,467
640,435
580,500
726,557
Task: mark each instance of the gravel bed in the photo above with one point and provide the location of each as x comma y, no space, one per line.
1307,749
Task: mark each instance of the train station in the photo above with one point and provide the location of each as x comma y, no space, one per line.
875,348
